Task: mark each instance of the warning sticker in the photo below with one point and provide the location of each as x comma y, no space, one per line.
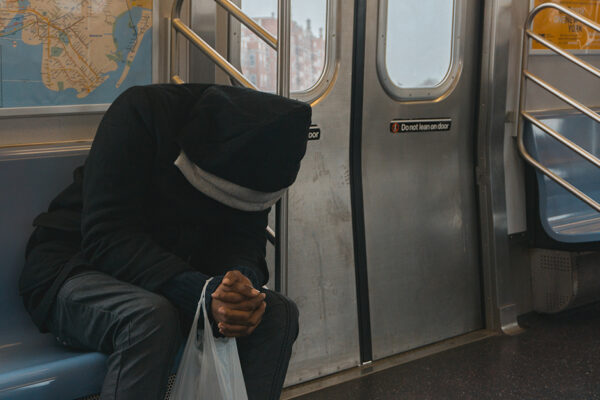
565,31
420,125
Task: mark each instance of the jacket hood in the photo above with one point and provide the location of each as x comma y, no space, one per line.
253,139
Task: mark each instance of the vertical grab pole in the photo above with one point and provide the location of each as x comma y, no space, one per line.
173,66
283,89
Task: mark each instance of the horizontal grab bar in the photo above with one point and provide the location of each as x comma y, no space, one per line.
563,140
567,99
578,193
575,60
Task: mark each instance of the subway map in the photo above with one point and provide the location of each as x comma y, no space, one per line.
71,52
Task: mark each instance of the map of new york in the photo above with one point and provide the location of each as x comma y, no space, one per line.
82,40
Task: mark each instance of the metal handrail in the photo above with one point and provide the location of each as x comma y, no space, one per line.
178,26
575,60
567,99
526,75
249,22
284,18
39,144
214,55
585,154
282,45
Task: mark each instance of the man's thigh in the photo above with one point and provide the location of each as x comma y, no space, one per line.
275,334
265,354
92,309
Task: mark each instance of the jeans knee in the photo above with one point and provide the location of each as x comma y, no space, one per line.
156,320
295,318
283,312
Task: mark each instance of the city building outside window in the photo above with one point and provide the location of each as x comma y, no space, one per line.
308,41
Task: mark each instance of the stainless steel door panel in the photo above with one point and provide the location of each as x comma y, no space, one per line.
321,259
420,210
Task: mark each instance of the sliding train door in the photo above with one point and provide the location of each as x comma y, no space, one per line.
418,171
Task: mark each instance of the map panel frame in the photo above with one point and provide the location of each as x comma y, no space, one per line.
99,108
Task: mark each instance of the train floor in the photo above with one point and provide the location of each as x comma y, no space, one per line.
556,357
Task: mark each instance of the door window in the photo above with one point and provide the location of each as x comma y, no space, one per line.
309,32
418,47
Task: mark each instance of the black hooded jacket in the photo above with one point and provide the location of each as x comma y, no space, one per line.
132,214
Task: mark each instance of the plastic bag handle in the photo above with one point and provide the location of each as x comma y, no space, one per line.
201,306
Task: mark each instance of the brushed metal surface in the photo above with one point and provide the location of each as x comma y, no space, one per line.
321,259
203,21
505,261
420,209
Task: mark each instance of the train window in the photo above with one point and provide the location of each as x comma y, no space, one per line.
418,47
309,44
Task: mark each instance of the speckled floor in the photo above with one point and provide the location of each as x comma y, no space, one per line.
557,357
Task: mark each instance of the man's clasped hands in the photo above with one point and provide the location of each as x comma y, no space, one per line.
237,307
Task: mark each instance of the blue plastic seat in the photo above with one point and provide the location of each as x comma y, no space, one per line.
35,365
564,217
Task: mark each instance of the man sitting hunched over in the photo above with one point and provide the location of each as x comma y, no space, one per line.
176,189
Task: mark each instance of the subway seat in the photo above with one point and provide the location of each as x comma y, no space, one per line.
35,366
564,217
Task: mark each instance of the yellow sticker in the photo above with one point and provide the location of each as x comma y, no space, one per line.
142,3
565,31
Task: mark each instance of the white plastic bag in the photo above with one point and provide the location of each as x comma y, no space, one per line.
210,367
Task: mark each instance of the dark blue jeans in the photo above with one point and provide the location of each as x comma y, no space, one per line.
142,332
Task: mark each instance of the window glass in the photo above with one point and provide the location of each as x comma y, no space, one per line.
308,45
419,40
